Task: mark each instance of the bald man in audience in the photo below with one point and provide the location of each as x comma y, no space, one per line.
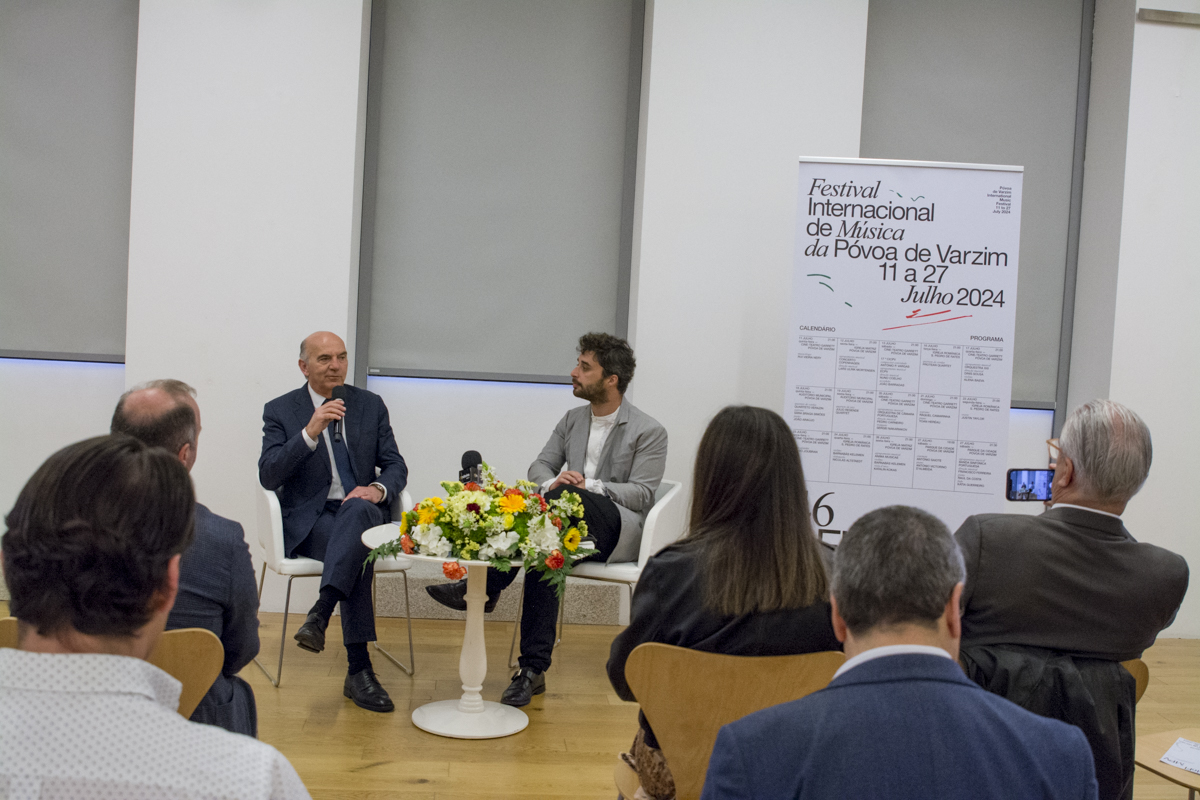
899,719
216,576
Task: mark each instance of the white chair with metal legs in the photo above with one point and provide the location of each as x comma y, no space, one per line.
270,536
664,525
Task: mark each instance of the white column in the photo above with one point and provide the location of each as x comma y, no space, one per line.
734,94
1157,329
243,225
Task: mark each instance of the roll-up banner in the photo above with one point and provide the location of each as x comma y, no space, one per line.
900,347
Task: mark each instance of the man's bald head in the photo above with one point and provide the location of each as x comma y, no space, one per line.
161,413
323,360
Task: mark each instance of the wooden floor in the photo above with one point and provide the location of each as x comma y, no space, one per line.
574,732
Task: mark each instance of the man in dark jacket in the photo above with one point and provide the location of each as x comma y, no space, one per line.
216,576
319,454
1057,600
899,719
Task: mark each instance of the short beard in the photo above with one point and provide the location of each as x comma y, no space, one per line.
593,394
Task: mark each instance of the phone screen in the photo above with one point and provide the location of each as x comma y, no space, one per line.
1029,484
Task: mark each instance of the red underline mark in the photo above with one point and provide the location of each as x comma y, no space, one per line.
934,322
916,314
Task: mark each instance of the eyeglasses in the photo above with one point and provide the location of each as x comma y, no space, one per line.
1053,448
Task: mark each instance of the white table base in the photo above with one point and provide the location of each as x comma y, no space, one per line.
445,718
470,717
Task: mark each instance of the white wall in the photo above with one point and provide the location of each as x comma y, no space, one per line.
50,404
737,92
243,227
1157,329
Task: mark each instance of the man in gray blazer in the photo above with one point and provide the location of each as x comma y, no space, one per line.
216,576
614,457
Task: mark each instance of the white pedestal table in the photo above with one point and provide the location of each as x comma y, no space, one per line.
470,716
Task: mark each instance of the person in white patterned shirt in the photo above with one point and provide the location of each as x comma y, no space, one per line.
91,558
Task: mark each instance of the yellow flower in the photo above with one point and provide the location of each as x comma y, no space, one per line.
511,503
436,501
404,523
427,515
571,540
508,522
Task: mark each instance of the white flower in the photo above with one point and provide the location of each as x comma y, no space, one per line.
430,541
499,544
543,535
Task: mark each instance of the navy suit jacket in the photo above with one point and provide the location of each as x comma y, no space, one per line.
302,477
217,592
902,726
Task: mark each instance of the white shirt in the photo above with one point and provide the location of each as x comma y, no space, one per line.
597,436
890,650
1085,508
336,490
100,726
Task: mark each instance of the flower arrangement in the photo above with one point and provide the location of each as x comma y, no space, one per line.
495,523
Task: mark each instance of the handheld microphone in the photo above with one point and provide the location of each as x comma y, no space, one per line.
472,467
339,393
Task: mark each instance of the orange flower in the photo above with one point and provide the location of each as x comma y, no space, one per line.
454,570
406,544
555,560
511,503
472,486
557,521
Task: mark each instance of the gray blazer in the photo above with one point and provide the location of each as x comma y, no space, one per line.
631,465
1069,580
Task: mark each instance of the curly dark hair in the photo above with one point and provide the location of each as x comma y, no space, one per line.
614,354
92,533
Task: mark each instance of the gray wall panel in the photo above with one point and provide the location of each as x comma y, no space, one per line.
66,149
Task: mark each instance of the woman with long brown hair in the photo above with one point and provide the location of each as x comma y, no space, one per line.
749,576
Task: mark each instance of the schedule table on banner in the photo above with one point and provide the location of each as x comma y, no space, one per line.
900,350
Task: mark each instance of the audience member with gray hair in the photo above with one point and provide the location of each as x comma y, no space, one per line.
1073,579
1053,603
899,719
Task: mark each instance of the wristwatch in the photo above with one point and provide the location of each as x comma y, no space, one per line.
381,488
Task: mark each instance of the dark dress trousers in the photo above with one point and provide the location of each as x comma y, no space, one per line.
1069,580
900,726
331,530
668,607
217,592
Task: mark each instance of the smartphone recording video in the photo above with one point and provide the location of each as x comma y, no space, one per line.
1029,484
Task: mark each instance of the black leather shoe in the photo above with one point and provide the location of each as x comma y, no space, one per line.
364,689
525,684
454,595
311,636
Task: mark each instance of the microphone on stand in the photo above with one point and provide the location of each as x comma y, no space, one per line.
472,468
339,393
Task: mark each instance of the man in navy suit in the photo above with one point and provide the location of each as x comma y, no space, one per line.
216,576
320,455
899,719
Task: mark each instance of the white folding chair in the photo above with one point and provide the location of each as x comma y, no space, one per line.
664,524
270,536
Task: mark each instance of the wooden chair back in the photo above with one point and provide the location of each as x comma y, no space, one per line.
1140,672
687,695
192,656
8,632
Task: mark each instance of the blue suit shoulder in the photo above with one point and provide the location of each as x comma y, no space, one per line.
897,727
